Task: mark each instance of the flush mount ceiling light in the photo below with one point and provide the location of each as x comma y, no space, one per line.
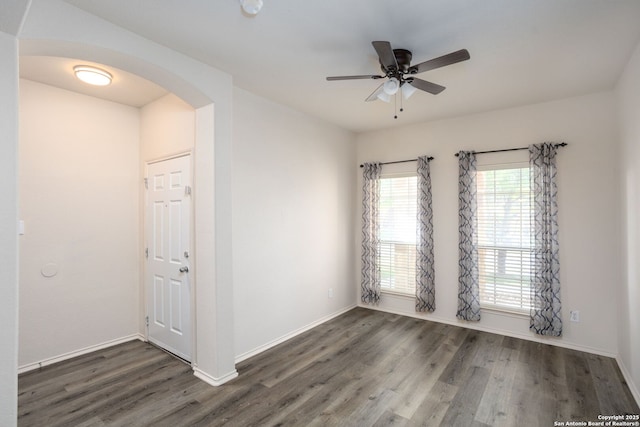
252,7
92,75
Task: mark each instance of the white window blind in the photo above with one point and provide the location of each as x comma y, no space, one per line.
397,248
504,238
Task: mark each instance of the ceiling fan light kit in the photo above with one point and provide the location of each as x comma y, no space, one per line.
383,96
408,90
397,68
252,7
390,87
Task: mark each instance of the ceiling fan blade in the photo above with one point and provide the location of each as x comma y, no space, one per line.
374,94
386,55
451,58
368,76
426,86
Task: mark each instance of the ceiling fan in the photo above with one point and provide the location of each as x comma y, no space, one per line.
397,68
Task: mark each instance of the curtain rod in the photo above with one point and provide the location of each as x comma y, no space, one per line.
561,144
401,161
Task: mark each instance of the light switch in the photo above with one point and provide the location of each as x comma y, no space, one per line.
21,227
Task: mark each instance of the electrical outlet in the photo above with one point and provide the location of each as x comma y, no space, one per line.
330,292
574,315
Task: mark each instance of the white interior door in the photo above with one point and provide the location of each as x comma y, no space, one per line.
168,289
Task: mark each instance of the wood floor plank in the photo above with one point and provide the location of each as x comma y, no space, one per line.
524,398
464,405
308,347
53,378
583,396
335,393
489,349
388,418
39,377
85,366
323,348
493,409
171,405
116,399
364,368
462,360
371,411
420,381
609,385
66,400
141,406
434,407
357,393
221,409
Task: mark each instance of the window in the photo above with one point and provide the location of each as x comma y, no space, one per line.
504,237
397,247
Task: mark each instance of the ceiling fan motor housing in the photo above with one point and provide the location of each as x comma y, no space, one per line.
403,59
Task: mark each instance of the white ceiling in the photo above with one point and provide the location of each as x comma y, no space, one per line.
522,51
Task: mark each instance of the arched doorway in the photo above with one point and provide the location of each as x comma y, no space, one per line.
213,359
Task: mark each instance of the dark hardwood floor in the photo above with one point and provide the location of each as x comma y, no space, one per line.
364,368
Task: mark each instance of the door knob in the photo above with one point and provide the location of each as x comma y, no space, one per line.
184,269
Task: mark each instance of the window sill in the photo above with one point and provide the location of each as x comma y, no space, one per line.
397,294
505,311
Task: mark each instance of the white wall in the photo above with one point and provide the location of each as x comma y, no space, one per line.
79,188
588,202
628,96
8,229
293,199
167,127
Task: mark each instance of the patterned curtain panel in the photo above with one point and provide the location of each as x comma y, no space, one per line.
425,285
545,313
468,287
370,281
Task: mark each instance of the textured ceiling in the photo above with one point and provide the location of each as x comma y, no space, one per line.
522,51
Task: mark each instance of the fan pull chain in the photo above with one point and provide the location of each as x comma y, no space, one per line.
395,105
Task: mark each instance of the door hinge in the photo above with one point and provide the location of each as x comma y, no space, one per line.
146,252
146,183
187,190
146,321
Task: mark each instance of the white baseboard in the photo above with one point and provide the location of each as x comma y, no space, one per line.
213,381
267,346
627,377
477,327
70,355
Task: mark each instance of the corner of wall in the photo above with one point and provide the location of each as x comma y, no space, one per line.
9,230
627,93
